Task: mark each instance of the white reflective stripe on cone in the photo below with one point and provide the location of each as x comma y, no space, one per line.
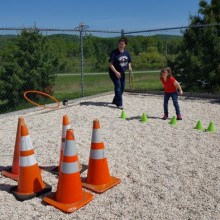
70,148
97,154
27,161
26,143
69,168
65,128
96,136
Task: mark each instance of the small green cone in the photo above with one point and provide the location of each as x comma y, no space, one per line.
144,118
211,127
173,120
123,115
199,126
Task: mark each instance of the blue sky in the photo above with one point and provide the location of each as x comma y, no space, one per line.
98,15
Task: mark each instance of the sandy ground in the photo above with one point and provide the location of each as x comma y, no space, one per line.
166,172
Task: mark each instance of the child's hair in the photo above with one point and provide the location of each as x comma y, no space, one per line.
168,69
161,72
123,39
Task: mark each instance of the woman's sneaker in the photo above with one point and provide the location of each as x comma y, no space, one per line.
120,107
165,117
179,117
114,102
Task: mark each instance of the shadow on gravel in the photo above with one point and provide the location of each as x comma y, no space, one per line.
105,104
54,169
5,187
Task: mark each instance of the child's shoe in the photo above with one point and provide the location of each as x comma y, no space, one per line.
179,117
165,117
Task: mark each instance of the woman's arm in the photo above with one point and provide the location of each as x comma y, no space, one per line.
118,74
129,67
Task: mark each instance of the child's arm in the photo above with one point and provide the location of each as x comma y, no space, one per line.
178,87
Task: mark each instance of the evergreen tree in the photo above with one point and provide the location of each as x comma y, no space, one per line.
210,11
28,65
197,65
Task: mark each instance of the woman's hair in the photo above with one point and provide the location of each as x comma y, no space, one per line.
123,39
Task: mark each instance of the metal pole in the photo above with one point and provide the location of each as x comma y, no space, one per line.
81,53
122,33
81,28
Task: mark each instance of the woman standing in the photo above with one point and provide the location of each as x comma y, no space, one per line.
119,61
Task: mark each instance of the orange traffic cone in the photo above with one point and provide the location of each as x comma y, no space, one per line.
30,182
98,176
66,126
12,172
69,195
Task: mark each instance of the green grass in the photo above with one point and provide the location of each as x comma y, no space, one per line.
69,87
147,81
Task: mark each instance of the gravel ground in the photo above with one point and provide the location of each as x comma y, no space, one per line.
166,172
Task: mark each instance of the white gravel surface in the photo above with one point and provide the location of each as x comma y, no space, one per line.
166,172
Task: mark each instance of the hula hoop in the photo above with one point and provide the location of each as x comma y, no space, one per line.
44,94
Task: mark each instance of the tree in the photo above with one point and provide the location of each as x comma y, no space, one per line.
29,64
197,65
210,11
151,59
